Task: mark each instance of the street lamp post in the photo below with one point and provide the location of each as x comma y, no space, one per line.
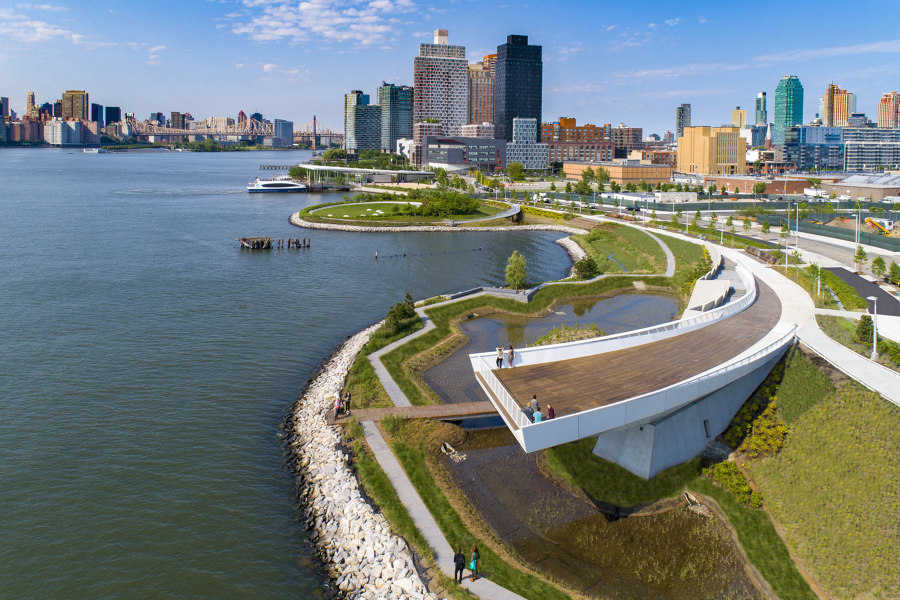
874,300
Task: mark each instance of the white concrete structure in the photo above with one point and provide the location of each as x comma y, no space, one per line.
525,148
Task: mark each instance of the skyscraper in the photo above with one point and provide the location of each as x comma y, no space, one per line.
29,105
518,84
481,92
4,106
441,83
889,110
788,106
113,114
97,113
362,122
739,118
396,103
837,106
762,115
75,104
682,119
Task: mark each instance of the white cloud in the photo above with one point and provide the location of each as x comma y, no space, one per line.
238,65
889,46
269,67
156,49
47,7
364,22
651,25
701,19
610,27
673,22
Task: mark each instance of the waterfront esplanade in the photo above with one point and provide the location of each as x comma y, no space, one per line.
653,397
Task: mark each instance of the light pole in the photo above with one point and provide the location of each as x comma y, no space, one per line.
874,300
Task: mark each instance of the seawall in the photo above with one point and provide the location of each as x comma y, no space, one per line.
296,220
359,549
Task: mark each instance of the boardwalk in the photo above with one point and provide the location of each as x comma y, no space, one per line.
438,411
580,384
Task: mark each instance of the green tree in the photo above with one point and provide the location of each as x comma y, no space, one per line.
766,228
583,188
759,188
334,154
878,267
615,187
730,221
568,187
516,171
674,221
587,174
631,187
586,268
894,273
516,270
860,257
746,225
785,230
814,183
653,214
600,187
552,187
643,185
602,175
865,329
712,189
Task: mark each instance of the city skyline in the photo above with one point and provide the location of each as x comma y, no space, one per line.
630,64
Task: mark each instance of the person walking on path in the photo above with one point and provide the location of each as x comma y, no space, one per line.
499,357
347,403
550,412
510,354
459,561
473,565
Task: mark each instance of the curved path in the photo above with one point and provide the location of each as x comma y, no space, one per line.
296,220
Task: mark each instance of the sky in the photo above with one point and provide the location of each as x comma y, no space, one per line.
604,62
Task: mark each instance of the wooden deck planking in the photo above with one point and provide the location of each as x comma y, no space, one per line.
437,411
580,384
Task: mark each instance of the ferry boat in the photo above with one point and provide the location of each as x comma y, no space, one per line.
94,150
282,183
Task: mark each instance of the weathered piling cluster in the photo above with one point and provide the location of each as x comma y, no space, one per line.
267,243
366,559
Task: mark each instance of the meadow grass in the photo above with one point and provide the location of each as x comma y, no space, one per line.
633,248
835,491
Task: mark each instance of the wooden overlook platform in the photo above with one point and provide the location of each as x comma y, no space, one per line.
579,384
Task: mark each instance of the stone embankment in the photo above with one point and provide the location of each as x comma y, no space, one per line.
366,559
296,220
574,250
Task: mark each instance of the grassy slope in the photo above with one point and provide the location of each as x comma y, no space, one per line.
835,490
635,250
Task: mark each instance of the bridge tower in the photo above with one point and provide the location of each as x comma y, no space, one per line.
313,145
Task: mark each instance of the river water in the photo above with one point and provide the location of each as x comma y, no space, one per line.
146,364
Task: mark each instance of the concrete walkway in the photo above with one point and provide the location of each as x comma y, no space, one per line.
425,523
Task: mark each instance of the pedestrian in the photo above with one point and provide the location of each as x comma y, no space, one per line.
534,403
538,416
347,403
550,412
337,406
529,412
473,566
510,354
459,561
499,357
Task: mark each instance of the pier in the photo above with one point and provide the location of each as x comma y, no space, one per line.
267,243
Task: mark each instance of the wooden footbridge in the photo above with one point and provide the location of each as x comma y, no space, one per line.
438,411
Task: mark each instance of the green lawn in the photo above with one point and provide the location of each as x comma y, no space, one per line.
630,247
369,212
362,209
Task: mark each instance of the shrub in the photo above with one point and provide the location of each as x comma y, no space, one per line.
729,476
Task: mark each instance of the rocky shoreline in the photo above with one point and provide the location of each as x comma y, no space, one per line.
296,220
574,250
364,557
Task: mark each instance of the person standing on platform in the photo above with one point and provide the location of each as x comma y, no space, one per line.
550,412
510,354
499,357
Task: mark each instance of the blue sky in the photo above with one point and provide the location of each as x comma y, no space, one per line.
604,62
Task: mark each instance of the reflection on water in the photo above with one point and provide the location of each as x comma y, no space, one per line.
453,380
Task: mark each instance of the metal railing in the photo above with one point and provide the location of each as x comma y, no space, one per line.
571,422
513,409
592,346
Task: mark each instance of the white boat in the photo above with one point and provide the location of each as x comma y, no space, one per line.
282,183
94,150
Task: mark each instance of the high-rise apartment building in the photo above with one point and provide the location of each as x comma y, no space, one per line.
788,106
762,115
481,93
889,110
113,114
97,113
566,130
518,84
176,120
712,151
75,104
4,107
524,147
739,117
441,83
29,105
837,106
682,119
283,133
396,102
362,122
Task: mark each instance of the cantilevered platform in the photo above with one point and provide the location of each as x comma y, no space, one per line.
580,384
